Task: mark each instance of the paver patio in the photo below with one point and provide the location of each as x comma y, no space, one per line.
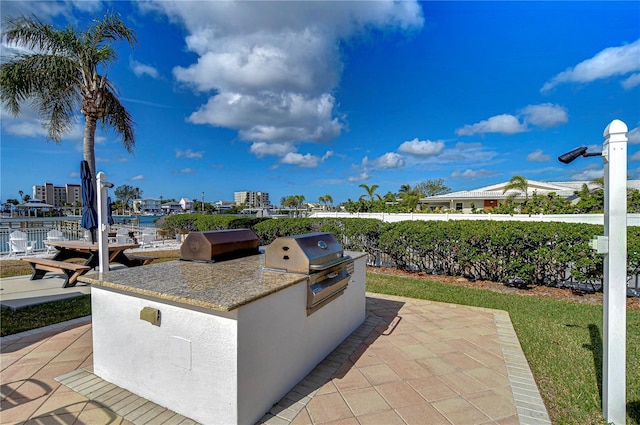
411,362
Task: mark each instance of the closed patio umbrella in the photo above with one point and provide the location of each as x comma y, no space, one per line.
109,212
89,219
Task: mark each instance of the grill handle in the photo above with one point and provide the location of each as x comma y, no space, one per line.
325,266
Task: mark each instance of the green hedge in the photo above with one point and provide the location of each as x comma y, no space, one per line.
517,253
184,223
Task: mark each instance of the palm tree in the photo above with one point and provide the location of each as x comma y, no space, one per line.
519,184
371,191
63,70
326,199
405,188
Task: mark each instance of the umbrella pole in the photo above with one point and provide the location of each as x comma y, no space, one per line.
101,186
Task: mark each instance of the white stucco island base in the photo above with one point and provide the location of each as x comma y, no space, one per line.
214,366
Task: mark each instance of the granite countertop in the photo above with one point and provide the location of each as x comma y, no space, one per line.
224,286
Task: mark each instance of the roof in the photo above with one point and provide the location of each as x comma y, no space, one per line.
496,191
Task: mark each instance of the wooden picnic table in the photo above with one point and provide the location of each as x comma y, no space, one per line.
90,252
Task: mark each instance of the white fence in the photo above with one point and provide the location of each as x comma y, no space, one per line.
632,219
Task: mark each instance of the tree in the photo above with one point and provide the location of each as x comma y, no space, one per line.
63,70
405,188
126,193
432,187
518,183
371,191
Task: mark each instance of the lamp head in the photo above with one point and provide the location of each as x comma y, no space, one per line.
107,184
570,156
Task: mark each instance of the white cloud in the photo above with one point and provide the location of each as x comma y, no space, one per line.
421,147
538,156
541,115
46,10
305,161
186,171
141,69
545,115
470,174
589,173
635,157
272,117
631,82
189,154
271,67
363,176
389,160
504,124
610,62
136,178
262,149
633,135
466,152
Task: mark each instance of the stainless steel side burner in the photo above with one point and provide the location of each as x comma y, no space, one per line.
317,255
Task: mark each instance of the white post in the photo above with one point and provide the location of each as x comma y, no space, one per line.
103,259
614,155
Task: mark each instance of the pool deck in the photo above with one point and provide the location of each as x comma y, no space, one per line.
410,362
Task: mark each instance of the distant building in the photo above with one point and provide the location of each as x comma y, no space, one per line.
171,208
186,204
224,206
252,199
58,196
489,197
147,206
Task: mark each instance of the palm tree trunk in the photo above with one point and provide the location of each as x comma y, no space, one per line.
89,143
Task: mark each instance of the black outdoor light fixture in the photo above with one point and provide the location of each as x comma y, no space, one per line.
570,156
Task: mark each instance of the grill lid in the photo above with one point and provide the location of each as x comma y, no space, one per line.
304,253
219,245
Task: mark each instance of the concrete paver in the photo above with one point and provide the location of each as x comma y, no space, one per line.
411,362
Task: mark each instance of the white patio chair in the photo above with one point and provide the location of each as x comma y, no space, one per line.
122,236
52,236
146,239
18,244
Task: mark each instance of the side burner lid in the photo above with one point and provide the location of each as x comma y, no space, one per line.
219,245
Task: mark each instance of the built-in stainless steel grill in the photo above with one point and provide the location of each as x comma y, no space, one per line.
317,255
219,245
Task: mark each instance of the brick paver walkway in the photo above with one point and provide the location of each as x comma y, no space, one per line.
411,362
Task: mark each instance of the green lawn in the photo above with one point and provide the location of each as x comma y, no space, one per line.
562,340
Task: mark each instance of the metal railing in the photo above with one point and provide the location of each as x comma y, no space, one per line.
71,230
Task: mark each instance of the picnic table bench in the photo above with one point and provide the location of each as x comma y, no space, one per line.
41,266
141,260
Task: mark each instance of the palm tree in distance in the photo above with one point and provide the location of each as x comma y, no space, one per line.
371,191
519,184
59,71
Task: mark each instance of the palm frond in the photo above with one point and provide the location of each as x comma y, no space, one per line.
117,117
34,35
48,82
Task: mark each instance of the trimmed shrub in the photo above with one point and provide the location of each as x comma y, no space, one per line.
518,253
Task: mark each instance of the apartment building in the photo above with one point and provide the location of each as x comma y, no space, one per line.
252,199
58,196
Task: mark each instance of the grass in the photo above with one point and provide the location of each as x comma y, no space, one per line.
45,314
562,340
12,322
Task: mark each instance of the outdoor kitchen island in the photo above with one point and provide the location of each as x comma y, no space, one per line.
217,342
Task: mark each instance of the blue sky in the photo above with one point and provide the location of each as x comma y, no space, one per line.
316,98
